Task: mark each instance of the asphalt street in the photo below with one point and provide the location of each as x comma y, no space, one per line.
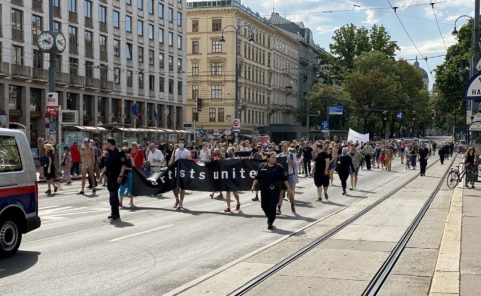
154,248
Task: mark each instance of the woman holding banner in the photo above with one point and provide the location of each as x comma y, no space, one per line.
231,155
270,177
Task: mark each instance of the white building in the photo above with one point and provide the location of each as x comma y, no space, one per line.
119,53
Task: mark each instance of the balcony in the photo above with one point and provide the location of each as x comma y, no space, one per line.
17,35
20,71
141,92
73,17
304,61
4,69
91,82
61,78
89,52
17,2
57,12
39,74
106,85
37,5
76,80
104,1
243,103
117,87
103,27
73,49
89,23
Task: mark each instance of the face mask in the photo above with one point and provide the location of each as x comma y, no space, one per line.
181,146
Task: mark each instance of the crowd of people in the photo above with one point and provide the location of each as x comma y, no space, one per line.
319,160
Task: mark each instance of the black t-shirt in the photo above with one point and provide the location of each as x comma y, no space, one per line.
267,175
114,161
321,161
307,152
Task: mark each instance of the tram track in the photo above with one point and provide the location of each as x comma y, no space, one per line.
381,275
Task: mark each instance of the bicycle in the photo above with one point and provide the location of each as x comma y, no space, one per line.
454,177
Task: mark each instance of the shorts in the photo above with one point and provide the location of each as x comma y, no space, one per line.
321,180
332,166
354,172
292,180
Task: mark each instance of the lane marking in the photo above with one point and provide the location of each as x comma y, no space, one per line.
140,233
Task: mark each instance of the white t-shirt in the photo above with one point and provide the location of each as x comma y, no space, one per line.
205,155
180,154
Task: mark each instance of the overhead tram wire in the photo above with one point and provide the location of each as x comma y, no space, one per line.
394,8
437,23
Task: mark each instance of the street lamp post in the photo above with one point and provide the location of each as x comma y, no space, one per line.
237,68
474,49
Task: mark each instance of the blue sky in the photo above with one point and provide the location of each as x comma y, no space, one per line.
416,15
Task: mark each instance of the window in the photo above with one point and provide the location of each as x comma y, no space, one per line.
171,39
102,14
116,19
151,57
17,20
216,25
88,8
195,25
73,66
171,15
140,28
179,42
56,3
128,51
171,86
151,82
195,46
140,4
130,80
15,98
72,6
179,88
216,46
37,27
116,47
195,69
220,114
216,92
89,69
216,68
89,40
161,36
212,114
117,75
161,61
11,158
57,26
128,2
103,43
141,80
140,54
151,32
150,6
179,19
171,63
160,10
195,91
37,59
179,65
128,24
72,36
161,84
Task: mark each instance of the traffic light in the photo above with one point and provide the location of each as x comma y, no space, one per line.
199,104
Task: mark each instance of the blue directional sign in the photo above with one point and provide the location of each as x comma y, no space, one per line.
324,125
399,115
335,110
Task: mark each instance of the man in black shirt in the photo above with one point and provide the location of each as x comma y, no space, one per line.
115,168
307,158
423,158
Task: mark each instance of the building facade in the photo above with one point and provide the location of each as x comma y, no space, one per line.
123,66
266,59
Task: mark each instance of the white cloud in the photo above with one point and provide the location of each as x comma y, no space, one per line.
427,47
371,17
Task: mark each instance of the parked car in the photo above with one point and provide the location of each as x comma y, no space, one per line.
18,191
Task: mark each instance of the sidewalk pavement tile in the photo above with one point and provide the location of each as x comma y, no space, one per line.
416,262
409,285
358,245
381,233
278,252
445,282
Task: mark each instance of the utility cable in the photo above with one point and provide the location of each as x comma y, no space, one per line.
437,23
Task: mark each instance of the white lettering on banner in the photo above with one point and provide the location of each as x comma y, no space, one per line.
222,175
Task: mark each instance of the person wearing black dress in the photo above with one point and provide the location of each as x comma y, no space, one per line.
321,171
344,166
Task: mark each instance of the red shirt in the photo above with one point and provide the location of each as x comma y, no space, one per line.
75,152
138,158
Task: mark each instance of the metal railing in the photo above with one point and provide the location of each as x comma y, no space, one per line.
37,5
17,35
92,82
4,68
73,17
20,70
39,74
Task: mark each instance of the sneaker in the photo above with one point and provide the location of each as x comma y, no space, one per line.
237,207
270,226
293,209
319,198
113,217
227,210
50,191
255,199
278,212
352,188
81,193
326,196
177,203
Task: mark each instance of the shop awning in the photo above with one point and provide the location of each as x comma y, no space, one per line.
475,126
91,128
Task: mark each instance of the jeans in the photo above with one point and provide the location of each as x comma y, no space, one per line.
75,168
127,185
113,188
307,166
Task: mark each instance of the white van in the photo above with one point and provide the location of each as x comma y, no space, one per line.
18,191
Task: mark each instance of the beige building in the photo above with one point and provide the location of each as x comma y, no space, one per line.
268,65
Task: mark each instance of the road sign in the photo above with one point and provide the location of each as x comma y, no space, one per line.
52,111
52,99
324,125
472,92
236,123
335,110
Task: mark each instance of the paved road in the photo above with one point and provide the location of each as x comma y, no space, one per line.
154,248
